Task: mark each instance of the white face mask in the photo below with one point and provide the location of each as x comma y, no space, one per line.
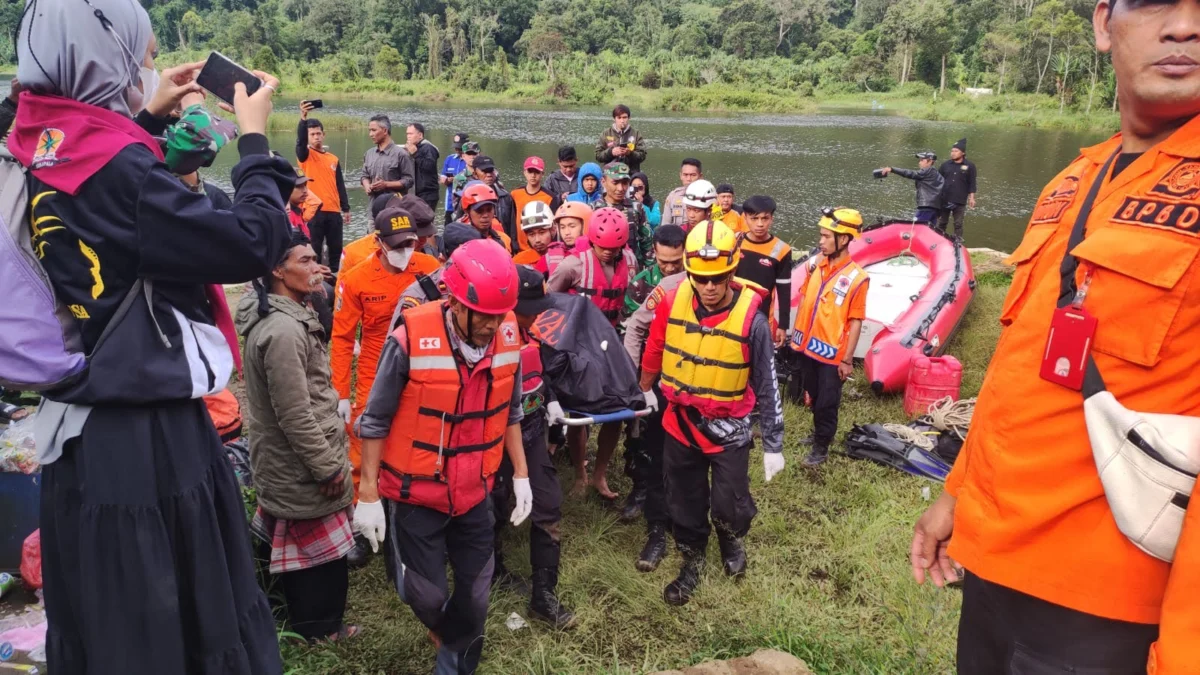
139,97
399,258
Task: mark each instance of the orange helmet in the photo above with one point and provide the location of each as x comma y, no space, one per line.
574,210
477,194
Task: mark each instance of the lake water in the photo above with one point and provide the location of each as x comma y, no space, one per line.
804,162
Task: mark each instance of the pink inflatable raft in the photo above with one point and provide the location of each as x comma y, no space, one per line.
921,285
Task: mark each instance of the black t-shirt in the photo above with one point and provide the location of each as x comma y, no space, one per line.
769,264
1123,161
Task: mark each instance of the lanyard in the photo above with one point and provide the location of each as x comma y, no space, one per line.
1069,294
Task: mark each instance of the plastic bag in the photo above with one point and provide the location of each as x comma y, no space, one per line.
31,560
18,453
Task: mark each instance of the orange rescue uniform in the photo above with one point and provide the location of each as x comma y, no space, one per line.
321,167
358,250
832,297
521,198
1031,513
366,296
527,256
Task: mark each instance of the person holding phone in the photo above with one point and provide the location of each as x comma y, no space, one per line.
387,167
328,184
136,489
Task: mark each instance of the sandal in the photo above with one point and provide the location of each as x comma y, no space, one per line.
12,413
344,633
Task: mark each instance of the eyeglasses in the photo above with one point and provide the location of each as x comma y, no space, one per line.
714,280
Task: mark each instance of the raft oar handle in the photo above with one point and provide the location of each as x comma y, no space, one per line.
619,416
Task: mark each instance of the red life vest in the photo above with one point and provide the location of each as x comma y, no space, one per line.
554,255
297,221
447,437
608,296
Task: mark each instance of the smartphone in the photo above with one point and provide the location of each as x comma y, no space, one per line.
219,74
315,103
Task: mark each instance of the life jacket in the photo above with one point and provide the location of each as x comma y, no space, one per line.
554,255
448,411
708,367
226,414
824,310
297,222
533,385
608,296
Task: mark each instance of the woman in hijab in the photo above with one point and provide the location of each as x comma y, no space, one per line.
146,554
640,186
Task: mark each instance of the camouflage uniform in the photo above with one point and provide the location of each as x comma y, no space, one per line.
194,141
612,138
638,291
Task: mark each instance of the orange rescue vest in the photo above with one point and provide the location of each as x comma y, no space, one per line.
824,311
439,418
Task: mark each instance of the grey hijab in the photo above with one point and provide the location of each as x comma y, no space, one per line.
65,48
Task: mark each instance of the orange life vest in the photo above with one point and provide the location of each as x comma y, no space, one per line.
447,410
824,311
321,167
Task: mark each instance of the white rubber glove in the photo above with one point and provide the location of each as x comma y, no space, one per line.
554,413
357,347
651,399
344,410
772,464
370,523
524,495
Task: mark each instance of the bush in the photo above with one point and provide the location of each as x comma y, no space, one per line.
305,74
265,60
916,90
804,89
651,79
389,64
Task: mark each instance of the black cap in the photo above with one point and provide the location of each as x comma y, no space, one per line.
484,162
531,299
458,233
724,189
925,154
961,145
459,139
418,210
395,226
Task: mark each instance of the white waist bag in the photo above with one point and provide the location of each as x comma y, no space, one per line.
1147,463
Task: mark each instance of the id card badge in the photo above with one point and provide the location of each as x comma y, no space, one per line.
1068,346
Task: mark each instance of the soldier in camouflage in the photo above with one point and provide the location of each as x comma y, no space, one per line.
616,195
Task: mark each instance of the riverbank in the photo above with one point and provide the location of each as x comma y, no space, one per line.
829,578
916,102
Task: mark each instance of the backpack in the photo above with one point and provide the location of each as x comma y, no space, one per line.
40,344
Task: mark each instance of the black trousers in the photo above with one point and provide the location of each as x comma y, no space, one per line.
1005,632
419,542
544,537
690,496
326,230
957,213
644,466
824,386
316,598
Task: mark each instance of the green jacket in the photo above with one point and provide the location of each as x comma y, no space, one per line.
641,237
611,138
642,284
297,439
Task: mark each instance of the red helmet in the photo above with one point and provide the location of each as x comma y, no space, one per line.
608,228
477,194
482,276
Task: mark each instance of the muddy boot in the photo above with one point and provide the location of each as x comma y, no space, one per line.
633,505
505,579
733,555
817,456
655,549
678,592
544,603
360,555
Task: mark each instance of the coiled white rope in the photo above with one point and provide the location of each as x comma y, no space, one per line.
945,415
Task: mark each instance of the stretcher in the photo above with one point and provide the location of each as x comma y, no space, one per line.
581,419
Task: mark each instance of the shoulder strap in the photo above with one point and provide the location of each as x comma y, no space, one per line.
1093,383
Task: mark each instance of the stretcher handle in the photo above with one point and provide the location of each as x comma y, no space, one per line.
619,416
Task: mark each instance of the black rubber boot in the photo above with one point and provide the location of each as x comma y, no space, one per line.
733,555
360,555
807,440
506,579
679,592
633,506
655,549
544,604
817,456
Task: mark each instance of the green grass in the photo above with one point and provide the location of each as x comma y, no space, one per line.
828,581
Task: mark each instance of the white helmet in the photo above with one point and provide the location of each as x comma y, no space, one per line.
536,215
700,194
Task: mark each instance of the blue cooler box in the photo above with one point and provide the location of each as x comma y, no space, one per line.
19,507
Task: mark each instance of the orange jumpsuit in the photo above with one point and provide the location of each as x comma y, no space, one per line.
527,256
1031,513
358,250
366,296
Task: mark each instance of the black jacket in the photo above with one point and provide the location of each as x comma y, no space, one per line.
960,181
929,186
425,163
134,226
557,184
